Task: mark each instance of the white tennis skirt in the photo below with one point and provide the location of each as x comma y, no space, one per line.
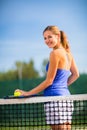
59,112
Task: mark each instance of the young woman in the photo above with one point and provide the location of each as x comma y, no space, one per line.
61,72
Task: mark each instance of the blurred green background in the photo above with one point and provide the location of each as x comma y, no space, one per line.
26,77
21,26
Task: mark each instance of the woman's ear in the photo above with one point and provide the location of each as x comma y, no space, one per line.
59,37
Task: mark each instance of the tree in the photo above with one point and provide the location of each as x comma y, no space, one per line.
29,71
22,71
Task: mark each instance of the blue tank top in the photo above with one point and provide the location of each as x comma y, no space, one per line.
59,86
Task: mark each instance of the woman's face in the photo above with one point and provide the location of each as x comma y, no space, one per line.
51,39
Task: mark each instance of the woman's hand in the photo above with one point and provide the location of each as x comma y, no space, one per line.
23,93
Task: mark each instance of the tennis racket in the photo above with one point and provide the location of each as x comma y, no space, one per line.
18,97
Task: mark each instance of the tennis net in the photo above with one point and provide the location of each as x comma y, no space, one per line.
44,113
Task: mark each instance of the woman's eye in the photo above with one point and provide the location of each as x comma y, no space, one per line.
49,36
44,38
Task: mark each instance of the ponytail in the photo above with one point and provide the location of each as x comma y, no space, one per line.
64,41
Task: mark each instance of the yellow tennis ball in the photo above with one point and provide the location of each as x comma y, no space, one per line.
17,93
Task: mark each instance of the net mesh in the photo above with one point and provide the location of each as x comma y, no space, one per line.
44,113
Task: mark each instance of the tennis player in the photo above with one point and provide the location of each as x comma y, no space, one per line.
61,72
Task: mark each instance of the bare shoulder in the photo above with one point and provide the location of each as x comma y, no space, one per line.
56,52
55,55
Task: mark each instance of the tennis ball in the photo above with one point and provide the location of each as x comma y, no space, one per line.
17,93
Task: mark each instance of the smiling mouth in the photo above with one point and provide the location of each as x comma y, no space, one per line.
49,44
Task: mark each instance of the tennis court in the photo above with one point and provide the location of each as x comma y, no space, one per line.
30,114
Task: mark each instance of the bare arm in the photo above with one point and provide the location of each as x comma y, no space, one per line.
74,73
49,78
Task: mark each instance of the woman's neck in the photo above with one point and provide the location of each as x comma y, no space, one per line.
58,47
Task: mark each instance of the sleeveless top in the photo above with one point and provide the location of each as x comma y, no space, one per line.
59,86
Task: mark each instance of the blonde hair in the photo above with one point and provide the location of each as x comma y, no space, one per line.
63,38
